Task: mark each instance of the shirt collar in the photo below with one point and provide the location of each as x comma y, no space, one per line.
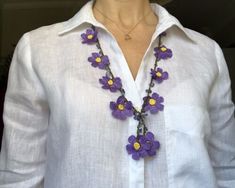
85,15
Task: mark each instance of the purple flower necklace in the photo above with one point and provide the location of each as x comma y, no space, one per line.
143,144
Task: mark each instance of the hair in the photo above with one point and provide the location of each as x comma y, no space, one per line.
151,1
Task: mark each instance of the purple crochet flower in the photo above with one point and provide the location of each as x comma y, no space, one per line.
159,75
136,147
122,108
97,60
142,146
149,144
153,103
112,84
162,52
89,37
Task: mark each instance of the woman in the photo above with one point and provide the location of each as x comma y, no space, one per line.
121,95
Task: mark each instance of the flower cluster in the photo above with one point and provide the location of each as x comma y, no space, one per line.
162,52
89,37
113,84
159,75
142,146
97,60
121,109
154,103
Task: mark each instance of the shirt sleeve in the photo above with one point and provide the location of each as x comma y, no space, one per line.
23,154
222,139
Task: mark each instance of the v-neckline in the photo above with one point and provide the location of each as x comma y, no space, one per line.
131,84
132,91
141,63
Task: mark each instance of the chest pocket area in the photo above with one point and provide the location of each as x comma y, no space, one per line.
187,119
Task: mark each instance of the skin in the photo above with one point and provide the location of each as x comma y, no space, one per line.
125,14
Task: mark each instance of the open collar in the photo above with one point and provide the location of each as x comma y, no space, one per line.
85,15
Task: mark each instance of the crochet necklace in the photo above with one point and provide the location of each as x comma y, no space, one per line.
143,144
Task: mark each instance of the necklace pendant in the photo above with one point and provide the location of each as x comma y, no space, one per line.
127,37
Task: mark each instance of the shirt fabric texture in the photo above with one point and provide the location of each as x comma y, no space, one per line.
59,131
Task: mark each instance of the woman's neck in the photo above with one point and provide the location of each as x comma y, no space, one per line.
124,12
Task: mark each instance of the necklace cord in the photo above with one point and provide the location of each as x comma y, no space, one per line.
140,114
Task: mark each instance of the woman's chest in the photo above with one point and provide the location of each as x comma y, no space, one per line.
73,88
69,74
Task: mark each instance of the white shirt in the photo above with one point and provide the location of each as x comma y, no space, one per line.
59,131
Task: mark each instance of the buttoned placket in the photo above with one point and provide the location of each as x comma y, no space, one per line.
136,168
134,91
120,68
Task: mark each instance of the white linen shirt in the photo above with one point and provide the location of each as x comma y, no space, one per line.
59,131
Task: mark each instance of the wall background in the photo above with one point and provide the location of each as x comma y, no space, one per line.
214,18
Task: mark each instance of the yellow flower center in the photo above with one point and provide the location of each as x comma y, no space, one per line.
110,82
152,102
98,60
163,49
90,36
121,107
158,74
136,146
